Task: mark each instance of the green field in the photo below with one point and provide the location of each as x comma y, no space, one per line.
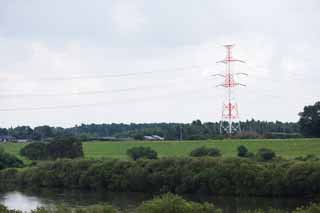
286,148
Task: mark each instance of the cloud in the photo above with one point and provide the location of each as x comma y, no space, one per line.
46,45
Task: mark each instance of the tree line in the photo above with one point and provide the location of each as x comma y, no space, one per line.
170,131
308,125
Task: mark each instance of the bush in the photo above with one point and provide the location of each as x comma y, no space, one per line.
35,151
62,147
313,208
265,154
170,203
142,152
308,158
8,161
242,151
204,151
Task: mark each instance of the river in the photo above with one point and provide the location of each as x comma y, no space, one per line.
28,200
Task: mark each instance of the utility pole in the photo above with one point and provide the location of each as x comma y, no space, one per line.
229,123
181,133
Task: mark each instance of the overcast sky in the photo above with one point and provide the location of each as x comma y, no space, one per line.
67,62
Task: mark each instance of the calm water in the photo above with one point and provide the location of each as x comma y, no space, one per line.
29,200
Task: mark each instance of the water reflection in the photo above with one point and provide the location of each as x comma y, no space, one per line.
19,201
28,200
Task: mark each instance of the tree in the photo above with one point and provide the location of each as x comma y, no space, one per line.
42,132
142,152
61,147
310,120
64,147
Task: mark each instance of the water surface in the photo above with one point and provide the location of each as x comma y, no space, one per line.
28,200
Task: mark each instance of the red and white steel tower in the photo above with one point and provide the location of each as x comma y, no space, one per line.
229,123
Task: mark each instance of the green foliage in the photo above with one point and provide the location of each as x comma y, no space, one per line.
63,209
195,130
7,160
170,203
204,151
220,176
308,158
310,120
136,153
265,154
35,151
242,151
313,208
62,147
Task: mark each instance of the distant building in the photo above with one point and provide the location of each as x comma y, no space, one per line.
7,138
153,138
22,140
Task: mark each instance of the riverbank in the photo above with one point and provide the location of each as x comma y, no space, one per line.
208,176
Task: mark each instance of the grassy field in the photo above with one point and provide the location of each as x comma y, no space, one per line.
285,148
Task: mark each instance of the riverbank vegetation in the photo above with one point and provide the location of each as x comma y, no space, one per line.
167,203
205,175
8,160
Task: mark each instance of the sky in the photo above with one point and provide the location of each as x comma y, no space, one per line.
65,63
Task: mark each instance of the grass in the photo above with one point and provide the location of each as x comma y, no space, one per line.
289,148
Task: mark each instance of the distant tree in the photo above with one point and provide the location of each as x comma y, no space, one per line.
265,154
21,132
310,120
142,152
204,151
42,132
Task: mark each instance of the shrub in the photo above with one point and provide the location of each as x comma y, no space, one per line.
8,161
35,151
313,208
242,151
265,154
204,151
142,152
170,203
308,158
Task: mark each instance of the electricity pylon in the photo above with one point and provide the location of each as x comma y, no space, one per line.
230,123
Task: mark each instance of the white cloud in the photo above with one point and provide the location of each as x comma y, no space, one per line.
120,37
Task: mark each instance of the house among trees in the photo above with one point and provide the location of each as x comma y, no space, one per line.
7,138
153,138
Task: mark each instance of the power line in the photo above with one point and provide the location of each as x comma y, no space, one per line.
104,76
97,92
98,104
